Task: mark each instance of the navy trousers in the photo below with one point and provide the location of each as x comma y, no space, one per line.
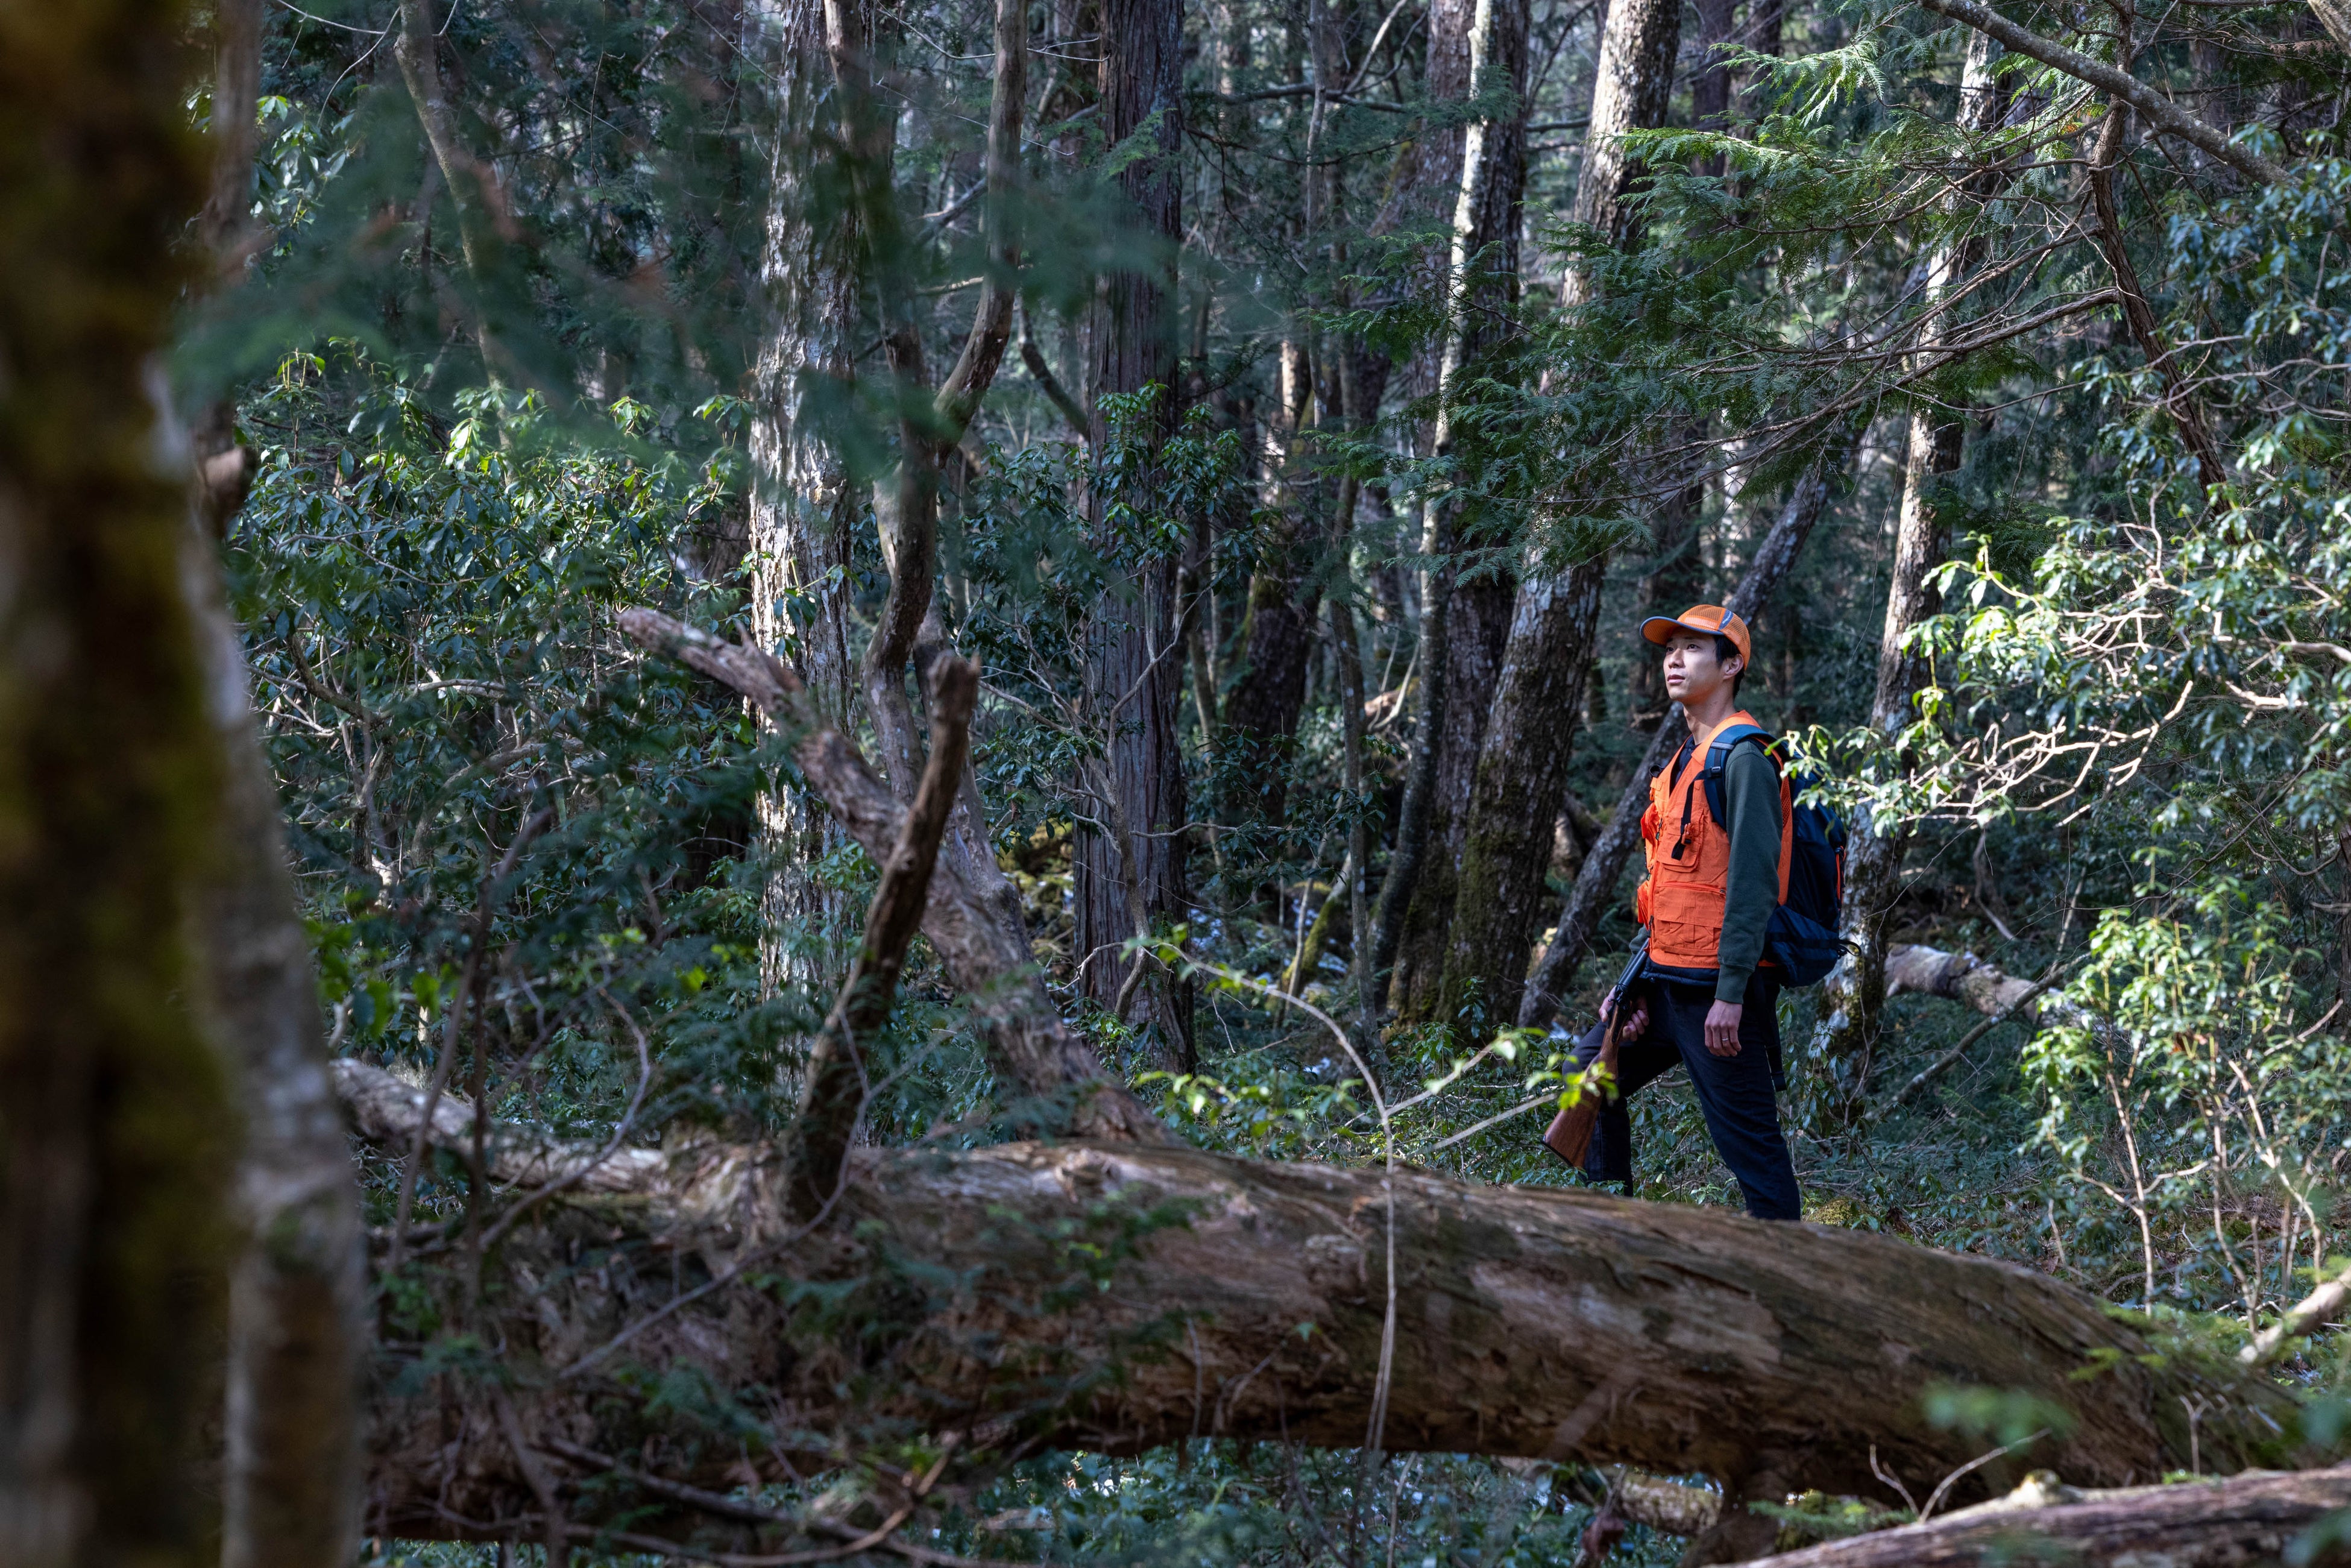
1737,1094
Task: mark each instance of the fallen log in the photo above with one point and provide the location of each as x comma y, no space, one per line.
1967,979
1116,1297
2249,1518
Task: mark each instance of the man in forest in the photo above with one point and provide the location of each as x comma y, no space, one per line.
1707,1000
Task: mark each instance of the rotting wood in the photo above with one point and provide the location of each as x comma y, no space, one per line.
1117,1297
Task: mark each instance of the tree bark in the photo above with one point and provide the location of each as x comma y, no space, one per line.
1268,693
1515,801
1134,672
2248,1518
1519,778
971,915
290,1475
117,1123
1535,1323
1487,177
801,504
227,217
1478,627
834,1097
1603,865
1632,88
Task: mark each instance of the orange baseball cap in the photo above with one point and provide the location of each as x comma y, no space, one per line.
1707,620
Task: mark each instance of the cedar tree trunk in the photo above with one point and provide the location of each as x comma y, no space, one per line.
801,503
1136,859
1474,51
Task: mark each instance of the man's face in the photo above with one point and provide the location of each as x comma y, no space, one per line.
1693,673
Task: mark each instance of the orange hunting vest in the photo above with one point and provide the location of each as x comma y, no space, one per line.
1690,861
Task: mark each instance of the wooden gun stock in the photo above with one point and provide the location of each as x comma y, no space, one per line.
1570,1133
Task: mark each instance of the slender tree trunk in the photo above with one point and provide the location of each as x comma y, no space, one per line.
1519,779
117,1120
801,504
1135,670
290,1440
1710,78
469,179
289,1485
1489,181
1853,998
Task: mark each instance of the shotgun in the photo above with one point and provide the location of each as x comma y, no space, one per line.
1570,1133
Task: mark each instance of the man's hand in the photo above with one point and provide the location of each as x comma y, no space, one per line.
1722,1028
1637,1022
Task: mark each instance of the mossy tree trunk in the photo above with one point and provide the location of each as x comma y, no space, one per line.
117,1125
1132,866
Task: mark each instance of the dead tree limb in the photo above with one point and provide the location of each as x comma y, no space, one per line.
2160,111
1118,1297
979,940
834,1095
2250,1519
2305,1314
1967,979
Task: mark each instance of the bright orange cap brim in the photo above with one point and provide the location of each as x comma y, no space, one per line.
1660,630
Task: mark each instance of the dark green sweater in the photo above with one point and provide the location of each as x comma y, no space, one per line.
1750,805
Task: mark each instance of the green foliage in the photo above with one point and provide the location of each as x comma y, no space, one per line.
468,471
2009,1416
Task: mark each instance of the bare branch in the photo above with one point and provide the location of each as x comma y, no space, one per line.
835,1094
2160,111
982,943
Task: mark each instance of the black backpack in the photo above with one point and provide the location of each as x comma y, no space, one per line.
1801,939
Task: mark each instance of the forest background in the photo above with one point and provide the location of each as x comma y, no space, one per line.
1289,410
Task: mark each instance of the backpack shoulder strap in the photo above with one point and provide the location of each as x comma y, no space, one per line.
1718,758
